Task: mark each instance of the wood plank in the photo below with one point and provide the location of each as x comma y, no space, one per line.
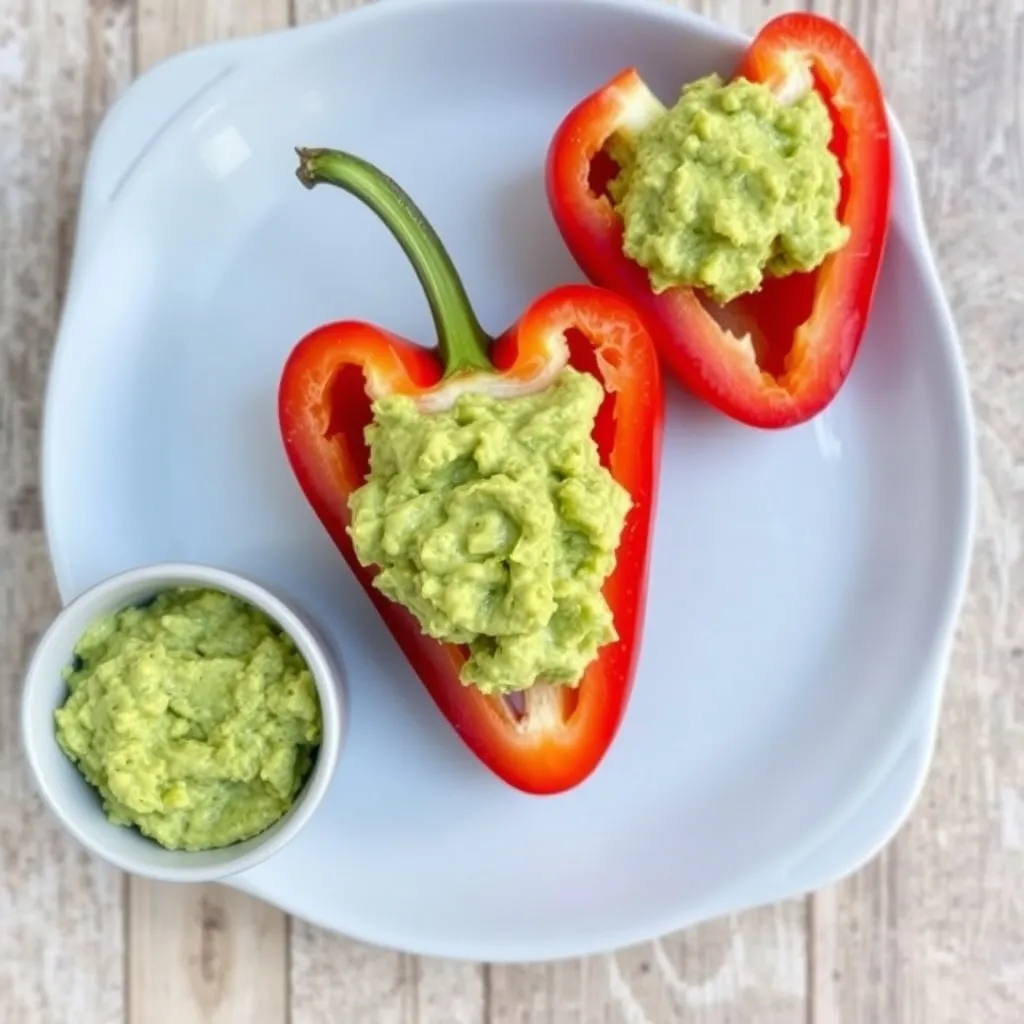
203,953
306,11
336,979
60,64
750,967
726,971
167,26
931,932
747,967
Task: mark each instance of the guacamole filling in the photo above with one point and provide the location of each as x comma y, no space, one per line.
728,185
496,525
194,716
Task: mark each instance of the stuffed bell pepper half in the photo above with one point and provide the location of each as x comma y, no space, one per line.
746,223
493,496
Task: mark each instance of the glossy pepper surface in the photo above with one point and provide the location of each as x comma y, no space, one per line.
554,736
778,356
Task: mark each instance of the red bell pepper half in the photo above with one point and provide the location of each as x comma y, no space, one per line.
553,737
805,329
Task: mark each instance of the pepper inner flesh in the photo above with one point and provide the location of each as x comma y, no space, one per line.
349,412
583,356
541,706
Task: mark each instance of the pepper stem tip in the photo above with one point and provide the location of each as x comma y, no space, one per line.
304,172
463,343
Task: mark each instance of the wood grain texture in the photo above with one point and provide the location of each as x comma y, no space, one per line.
203,954
168,26
747,967
60,910
334,979
932,932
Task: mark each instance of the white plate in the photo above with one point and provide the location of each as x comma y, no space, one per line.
804,585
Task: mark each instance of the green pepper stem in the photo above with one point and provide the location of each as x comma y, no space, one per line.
462,342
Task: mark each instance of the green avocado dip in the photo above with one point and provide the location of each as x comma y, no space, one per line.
496,525
728,185
195,717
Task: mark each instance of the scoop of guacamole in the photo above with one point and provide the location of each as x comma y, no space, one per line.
496,525
195,717
728,185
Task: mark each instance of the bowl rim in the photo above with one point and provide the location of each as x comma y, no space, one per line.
328,677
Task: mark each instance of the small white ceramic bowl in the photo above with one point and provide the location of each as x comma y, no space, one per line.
78,805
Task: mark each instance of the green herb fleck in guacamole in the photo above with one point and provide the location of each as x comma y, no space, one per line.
496,525
727,185
195,717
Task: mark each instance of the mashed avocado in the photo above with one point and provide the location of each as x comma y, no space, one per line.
727,185
496,525
194,716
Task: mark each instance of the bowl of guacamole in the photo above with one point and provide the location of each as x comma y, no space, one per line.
182,721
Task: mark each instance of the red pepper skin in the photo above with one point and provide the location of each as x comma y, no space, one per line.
323,408
806,328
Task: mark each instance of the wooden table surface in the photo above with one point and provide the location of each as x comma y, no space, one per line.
931,932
